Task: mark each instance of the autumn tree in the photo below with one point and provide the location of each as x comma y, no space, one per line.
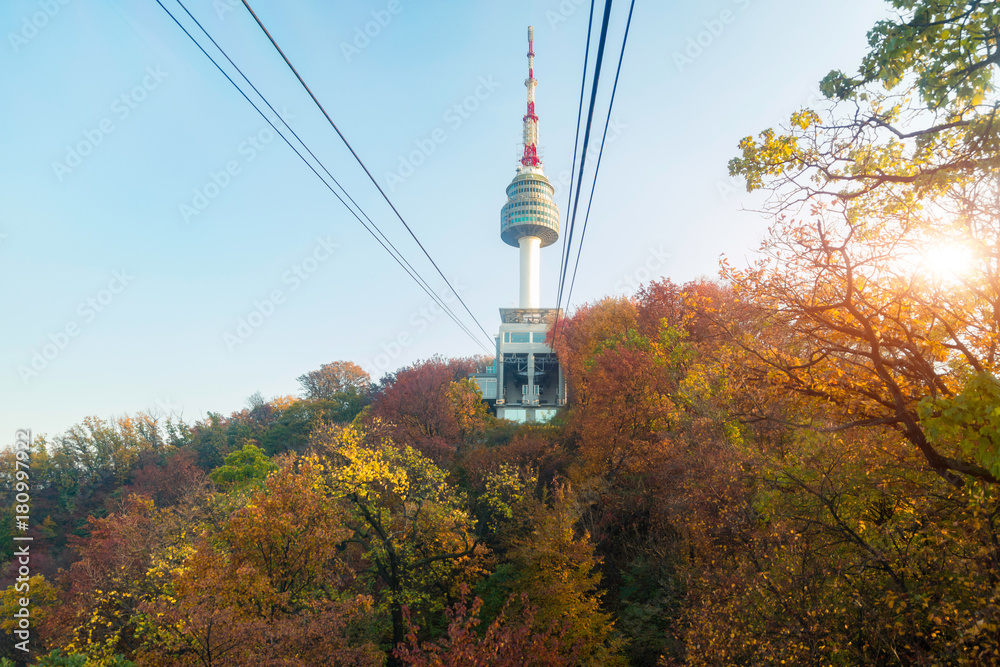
507,495
291,532
168,481
884,294
616,398
867,335
636,371
43,597
555,566
427,411
658,465
335,379
852,319
577,339
849,551
269,587
105,589
535,448
508,641
471,414
410,523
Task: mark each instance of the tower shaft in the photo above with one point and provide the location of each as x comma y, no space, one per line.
530,246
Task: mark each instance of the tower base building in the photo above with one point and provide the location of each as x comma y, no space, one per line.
525,384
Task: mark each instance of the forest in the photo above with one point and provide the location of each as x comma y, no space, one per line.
796,462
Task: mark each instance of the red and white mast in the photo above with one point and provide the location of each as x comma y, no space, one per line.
530,158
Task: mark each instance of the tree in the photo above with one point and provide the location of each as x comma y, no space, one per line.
335,378
660,481
424,411
242,467
57,659
472,417
869,325
577,340
851,317
847,552
105,589
506,642
167,483
42,596
636,372
856,310
291,532
919,114
537,447
105,450
409,522
269,589
555,567
290,432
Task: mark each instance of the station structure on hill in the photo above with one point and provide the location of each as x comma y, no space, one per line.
525,383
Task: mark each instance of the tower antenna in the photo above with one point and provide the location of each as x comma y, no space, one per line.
530,158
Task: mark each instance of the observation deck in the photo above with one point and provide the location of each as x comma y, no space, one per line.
530,209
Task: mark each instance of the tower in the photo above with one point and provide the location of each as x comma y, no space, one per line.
526,383
530,218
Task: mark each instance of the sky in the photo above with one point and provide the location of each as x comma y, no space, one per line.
163,250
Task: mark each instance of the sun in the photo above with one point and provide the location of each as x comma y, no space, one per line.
950,262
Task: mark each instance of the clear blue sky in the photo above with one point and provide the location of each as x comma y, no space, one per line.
114,123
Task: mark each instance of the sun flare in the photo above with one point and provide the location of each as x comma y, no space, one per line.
948,261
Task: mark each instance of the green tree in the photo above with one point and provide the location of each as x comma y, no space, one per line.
243,467
295,423
918,114
57,659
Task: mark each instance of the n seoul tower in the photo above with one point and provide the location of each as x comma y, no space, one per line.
525,383
530,218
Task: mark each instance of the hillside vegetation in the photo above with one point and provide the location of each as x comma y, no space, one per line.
798,463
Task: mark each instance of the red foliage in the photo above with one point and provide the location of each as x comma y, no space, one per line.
624,362
109,577
119,545
532,446
679,305
166,484
506,642
414,402
629,406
